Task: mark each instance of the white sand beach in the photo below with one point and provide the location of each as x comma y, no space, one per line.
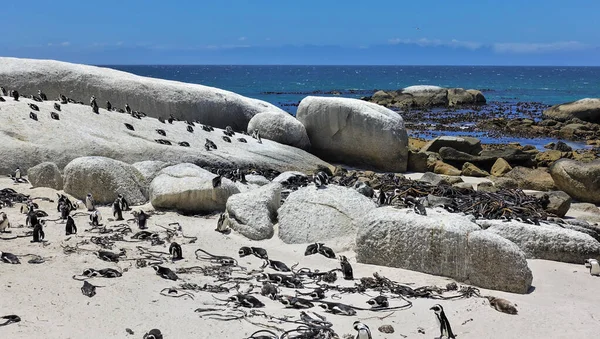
564,304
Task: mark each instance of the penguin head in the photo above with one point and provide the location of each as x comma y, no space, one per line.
235,298
156,268
438,309
324,306
359,326
245,250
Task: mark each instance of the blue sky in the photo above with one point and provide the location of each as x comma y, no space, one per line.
425,32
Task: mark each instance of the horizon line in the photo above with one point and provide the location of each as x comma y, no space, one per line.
344,65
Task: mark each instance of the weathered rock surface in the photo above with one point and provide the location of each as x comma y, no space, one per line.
281,128
532,179
443,244
150,168
105,179
355,132
333,213
441,167
463,144
155,97
79,132
546,241
486,158
422,96
253,214
45,174
587,109
560,202
580,180
188,188
422,161
500,168
471,170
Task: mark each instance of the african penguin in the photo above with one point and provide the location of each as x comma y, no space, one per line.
9,258
116,209
57,106
256,135
318,293
34,107
362,330
321,179
109,256
31,219
165,272
379,301
593,265
89,202
38,233
171,118
94,104
127,108
216,182
269,290
4,223
123,202
42,95
276,265
175,250
2,91
337,308
190,129
502,305
63,99
70,228
246,301
346,268
95,218
295,302
108,106
15,95
153,334
142,218
222,226
445,329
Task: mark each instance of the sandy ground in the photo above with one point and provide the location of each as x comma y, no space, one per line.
564,304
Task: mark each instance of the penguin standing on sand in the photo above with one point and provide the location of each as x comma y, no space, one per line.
593,265
38,233
127,109
445,329
2,91
141,219
363,331
123,202
94,104
89,202
116,208
346,268
108,106
176,252
42,95
4,223
95,218
70,228
15,95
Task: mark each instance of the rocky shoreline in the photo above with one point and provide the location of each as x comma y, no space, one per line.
447,206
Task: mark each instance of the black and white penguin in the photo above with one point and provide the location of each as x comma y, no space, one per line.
165,272
2,91
153,334
171,118
321,179
123,202
176,252
9,258
269,290
54,116
161,132
379,301
222,226
109,256
210,145
242,140
318,293
258,252
94,104
129,127
226,138
141,220
63,99
311,249
246,301
31,219
90,204
256,135
42,95
116,209
33,116
216,182
65,210
295,302
502,305
108,106
346,268
95,218
337,308
190,129
70,228
362,330
325,251
15,95
38,233
593,265
445,329
127,108
230,131
34,107
4,223
277,265
57,106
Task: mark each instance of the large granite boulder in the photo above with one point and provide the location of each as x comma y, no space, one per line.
79,132
580,180
355,132
459,96
155,97
329,214
45,174
189,189
105,179
532,179
587,109
546,241
282,128
463,144
427,96
442,243
150,168
423,96
253,213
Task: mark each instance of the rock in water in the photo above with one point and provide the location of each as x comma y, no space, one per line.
355,132
587,109
254,213
45,174
330,214
282,128
105,179
463,144
443,244
188,188
580,180
212,106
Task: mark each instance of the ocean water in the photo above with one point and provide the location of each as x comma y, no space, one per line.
286,85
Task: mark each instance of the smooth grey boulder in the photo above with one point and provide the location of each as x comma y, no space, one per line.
45,174
289,175
364,189
27,142
150,168
426,95
532,178
463,144
329,214
253,213
258,180
155,97
578,179
189,189
442,243
105,179
587,109
546,241
355,132
280,127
